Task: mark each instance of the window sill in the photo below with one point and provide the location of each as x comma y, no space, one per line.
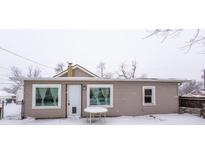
151,104
106,106
46,107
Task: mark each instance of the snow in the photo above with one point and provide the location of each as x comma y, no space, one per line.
5,94
12,117
95,110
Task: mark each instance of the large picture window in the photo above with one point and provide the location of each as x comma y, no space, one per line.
46,96
100,95
148,95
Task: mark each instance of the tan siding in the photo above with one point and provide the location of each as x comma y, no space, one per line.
43,113
127,99
77,73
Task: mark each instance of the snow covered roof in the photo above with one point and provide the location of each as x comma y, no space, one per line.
5,94
196,93
102,79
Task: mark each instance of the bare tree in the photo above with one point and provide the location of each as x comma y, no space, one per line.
128,72
101,69
133,69
188,87
59,67
33,72
197,38
123,69
17,77
108,75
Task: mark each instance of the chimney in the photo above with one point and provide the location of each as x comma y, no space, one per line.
70,70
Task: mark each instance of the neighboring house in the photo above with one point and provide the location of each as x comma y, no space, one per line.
199,92
196,93
19,94
70,91
8,98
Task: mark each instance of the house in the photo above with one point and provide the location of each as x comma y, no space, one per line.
69,92
19,94
7,98
198,92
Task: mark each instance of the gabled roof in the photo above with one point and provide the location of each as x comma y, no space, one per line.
74,67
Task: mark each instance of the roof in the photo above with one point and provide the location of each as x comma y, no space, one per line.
102,79
74,67
191,95
5,94
196,93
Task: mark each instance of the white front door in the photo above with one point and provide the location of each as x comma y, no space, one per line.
74,100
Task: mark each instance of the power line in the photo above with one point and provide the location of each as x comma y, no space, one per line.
25,58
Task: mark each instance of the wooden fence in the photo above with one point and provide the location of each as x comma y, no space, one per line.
191,102
1,110
191,105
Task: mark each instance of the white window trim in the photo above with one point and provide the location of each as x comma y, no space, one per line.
153,95
34,86
100,86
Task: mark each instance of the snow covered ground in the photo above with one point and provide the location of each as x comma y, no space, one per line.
12,117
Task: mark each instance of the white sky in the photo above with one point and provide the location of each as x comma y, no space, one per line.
89,47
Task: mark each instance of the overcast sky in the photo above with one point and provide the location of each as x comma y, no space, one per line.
89,47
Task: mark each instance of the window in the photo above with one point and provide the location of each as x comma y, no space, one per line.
148,95
46,96
100,95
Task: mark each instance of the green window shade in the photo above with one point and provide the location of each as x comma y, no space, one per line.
99,96
42,92
54,93
46,96
95,92
106,94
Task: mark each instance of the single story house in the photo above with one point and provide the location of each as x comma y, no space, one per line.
71,91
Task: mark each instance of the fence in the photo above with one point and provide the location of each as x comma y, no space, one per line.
192,105
192,102
1,110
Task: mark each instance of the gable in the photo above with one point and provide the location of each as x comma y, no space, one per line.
78,71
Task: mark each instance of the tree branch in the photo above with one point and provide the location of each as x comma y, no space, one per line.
169,32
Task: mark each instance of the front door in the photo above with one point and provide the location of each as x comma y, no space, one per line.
74,100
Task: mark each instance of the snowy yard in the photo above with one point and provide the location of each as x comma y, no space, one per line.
12,117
